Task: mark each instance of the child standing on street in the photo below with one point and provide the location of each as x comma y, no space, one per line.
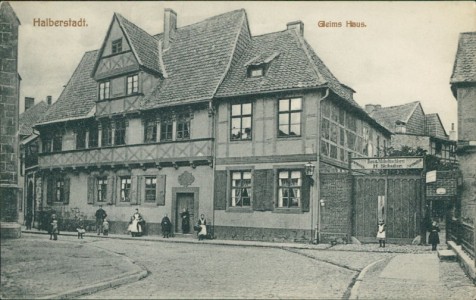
434,237
381,233
80,228
105,227
54,227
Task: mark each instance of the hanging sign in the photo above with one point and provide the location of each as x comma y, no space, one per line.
387,163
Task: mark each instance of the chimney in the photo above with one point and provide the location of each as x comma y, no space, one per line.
29,102
170,25
48,100
298,26
453,132
369,108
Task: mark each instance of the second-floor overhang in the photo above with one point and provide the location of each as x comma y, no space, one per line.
154,155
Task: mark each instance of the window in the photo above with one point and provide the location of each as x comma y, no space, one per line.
46,144
104,88
166,130
183,127
120,133
106,138
150,131
59,191
241,189
150,189
102,190
57,141
289,191
125,189
289,122
50,190
116,46
81,139
132,84
255,71
241,115
93,136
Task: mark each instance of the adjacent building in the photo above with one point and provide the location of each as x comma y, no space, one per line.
204,117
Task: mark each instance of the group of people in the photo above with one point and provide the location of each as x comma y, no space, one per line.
433,238
201,226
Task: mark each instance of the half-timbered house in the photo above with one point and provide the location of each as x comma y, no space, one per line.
205,117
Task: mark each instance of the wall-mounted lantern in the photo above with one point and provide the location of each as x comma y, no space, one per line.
310,169
322,202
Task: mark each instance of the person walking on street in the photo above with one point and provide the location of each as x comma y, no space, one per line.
166,226
100,216
381,233
434,237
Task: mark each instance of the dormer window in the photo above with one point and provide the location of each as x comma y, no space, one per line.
259,65
104,90
116,46
256,71
400,127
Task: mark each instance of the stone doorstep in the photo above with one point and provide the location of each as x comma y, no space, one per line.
447,255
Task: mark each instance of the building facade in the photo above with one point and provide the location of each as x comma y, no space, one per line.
10,191
207,118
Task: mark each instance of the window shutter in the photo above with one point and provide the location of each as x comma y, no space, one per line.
133,191
305,192
263,187
91,189
111,190
221,184
66,190
161,189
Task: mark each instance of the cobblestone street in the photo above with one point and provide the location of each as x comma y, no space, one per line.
210,271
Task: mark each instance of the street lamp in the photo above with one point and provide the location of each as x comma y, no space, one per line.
309,169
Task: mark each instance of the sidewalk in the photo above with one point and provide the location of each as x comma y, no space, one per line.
413,276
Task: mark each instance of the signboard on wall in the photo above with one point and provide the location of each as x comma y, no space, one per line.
386,163
431,176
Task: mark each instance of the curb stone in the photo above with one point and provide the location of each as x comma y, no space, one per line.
355,289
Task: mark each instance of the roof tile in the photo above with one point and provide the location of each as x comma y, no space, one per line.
464,69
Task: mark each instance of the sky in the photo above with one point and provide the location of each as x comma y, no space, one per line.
404,53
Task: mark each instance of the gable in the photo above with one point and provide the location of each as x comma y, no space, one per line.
416,122
111,64
434,127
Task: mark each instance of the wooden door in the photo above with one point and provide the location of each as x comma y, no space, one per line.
184,201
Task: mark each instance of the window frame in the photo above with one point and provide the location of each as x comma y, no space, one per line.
241,116
93,139
57,141
289,113
104,90
149,189
120,132
122,189
116,46
132,87
289,187
167,124
183,119
150,124
81,138
106,126
101,189
234,188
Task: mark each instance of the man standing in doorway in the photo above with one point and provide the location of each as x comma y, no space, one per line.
100,216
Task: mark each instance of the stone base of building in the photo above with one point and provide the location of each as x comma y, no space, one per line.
10,230
263,234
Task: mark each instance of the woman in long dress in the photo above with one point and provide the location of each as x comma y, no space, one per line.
135,226
202,223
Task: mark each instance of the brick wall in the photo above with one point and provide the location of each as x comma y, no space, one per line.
336,214
446,180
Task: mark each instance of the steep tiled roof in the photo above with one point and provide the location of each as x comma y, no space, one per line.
197,60
78,97
29,117
464,68
387,116
434,126
145,46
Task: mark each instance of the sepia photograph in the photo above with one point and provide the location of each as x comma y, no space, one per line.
238,150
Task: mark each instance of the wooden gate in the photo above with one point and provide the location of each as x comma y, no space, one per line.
396,199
